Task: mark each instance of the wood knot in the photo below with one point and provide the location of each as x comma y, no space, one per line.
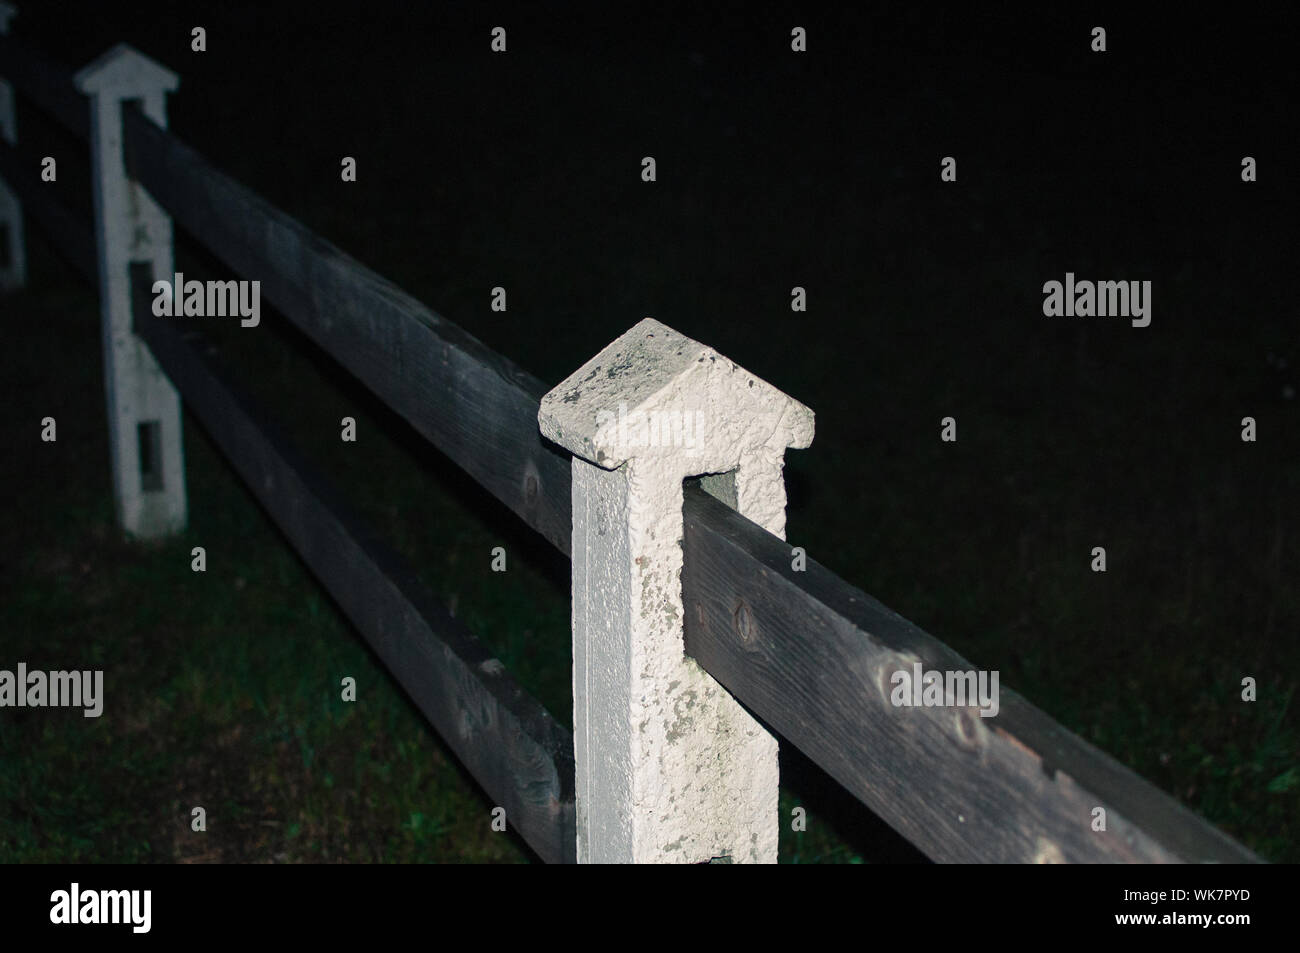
743,622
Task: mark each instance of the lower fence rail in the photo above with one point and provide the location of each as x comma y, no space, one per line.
512,746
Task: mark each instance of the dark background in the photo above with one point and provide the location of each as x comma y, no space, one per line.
775,169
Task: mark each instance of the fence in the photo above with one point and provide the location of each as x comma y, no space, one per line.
669,760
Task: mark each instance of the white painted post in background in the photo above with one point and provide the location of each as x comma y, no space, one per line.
13,271
670,767
144,410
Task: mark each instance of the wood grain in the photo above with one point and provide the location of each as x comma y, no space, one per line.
812,655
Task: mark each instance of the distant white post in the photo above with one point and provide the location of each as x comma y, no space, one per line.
670,767
144,410
13,269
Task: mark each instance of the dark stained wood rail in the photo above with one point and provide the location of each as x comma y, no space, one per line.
474,405
511,745
812,656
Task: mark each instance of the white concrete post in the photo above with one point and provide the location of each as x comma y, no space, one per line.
13,271
144,410
670,767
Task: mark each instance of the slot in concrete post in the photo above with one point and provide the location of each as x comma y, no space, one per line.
144,410
13,267
670,767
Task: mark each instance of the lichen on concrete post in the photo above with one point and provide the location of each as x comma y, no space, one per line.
13,268
144,410
670,767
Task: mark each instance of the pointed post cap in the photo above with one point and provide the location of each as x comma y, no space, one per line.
7,12
656,392
126,72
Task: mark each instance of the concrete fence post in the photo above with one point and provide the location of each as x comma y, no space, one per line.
134,235
670,767
13,258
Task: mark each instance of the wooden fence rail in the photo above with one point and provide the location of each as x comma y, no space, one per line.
804,651
812,655
520,755
474,405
